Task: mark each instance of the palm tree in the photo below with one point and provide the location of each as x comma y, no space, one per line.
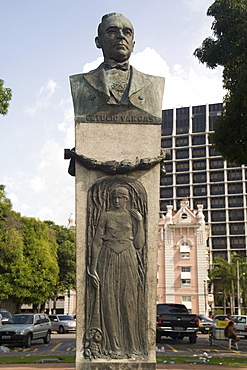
223,276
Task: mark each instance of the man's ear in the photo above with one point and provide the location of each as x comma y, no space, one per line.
97,42
133,45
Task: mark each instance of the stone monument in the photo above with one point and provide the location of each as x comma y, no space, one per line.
116,163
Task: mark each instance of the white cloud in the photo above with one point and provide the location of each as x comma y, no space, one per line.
37,184
43,97
17,204
92,65
182,87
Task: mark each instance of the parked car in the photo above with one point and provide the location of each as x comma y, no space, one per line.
205,323
62,323
240,322
23,328
219,318
6,315
175,321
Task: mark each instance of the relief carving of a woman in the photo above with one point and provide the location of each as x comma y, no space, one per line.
115,276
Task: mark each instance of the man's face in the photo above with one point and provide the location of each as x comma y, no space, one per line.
116,38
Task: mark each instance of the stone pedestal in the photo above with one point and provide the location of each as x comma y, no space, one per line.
106,142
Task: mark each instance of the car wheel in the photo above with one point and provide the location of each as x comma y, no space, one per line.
61,330
27,341
47,338
193,338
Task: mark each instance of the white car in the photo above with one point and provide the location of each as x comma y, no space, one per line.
240,322
23,328
62,323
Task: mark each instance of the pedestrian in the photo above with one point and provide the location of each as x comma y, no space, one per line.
230,332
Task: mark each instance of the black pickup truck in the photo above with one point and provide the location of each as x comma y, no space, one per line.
174,320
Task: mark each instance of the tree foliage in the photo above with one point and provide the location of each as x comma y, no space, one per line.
228,48
66,257
37,259
5,97
224,278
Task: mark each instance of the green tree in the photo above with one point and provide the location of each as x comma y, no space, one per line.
5,97
223,276
28,257
66,256
228,48
40,256
11,245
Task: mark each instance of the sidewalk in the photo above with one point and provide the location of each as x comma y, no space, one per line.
159,366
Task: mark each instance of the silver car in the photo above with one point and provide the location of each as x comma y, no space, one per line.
62,323
23,328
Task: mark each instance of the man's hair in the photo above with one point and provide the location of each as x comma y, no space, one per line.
104,17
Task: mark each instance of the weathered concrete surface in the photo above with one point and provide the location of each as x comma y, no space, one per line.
118,142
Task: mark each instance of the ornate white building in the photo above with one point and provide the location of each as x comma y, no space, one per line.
183,258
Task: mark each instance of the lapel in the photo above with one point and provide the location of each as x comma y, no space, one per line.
138,81
97,79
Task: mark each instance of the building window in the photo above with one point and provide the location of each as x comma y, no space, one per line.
237,242
166,192
182,141
166,180
185,255
218,229
186,298
166,142
199,177
182,153
185,283
199,190
185,272
168,167
198,140
233,175
217,189
185,269
183,179
216,176
237,228
182,166
167,122
218,202
216,163
199,164
184,216
199,123
183,191
218,216
184,251
219,243
236,214
235,188
199,152
235,201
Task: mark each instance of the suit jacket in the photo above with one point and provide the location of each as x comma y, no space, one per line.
90,94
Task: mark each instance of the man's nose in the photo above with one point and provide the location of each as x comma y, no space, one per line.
120,34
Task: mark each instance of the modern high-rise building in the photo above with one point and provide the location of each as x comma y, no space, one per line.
196,172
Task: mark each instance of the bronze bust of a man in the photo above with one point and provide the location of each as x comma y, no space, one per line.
116,92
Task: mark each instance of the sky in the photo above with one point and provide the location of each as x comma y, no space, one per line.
46,41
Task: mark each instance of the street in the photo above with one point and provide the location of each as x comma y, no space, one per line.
65,344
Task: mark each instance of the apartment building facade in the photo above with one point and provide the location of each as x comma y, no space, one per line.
195,171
